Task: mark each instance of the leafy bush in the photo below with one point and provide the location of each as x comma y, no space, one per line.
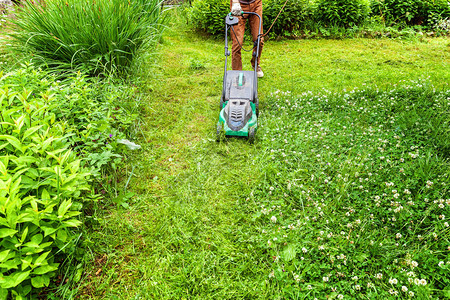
293,18
209,15
343,13
56,138
411,12
100,36
41,185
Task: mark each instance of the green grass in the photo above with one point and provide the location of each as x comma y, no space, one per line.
190,232
195,227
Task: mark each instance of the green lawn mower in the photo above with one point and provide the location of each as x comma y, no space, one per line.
239,102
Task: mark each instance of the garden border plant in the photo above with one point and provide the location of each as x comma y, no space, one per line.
96,37
57,139
335,18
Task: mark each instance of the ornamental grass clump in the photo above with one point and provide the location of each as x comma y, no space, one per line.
96,36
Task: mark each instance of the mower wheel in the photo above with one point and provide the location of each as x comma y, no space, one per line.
220,133
251,135
257,107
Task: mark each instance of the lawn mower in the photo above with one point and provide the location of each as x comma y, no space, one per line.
239,101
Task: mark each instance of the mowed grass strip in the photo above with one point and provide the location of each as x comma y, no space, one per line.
188,232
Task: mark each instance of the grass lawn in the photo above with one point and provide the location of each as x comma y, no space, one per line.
202,223
307,211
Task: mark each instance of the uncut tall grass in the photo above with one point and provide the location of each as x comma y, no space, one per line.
96,36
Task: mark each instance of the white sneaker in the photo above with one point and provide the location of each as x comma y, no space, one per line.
259,72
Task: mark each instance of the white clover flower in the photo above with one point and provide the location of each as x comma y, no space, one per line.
414,264
379,276
393,281
411,274
393,292
325,279
340,296
273,219
398,235
423,282
411,293
304,250
441,263
404,289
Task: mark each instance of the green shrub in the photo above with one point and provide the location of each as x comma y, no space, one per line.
411,12
41,185
342,13
209,15
56,139
294,17
101,36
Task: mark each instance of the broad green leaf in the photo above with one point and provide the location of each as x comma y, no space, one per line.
34,205
64,207
3,169
4,232
30,131
15,185
61,235
19,123
45,195
20,276
10,264
72,223
13,141
289,252
48,230
47,143
37,238
4,255
45,269
38,282
41,258
26,262
24,235
362,257
14,279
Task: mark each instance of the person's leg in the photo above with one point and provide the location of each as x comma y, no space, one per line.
254,27
237,37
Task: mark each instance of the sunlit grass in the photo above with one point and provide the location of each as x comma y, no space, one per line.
191,232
